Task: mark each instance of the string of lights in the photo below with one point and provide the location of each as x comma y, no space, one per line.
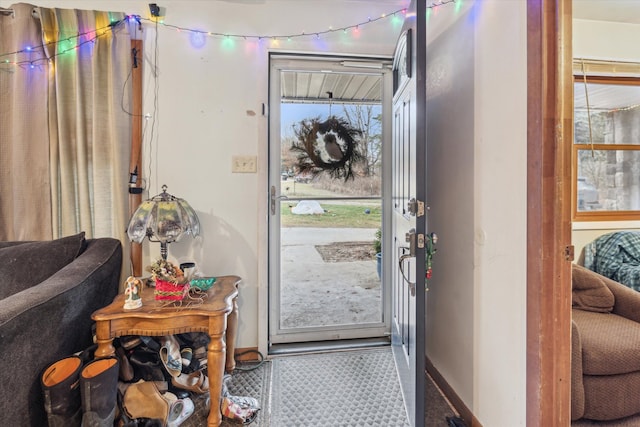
76,41
353,27
630,107
316,34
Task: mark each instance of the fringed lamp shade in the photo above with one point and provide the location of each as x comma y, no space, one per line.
163,218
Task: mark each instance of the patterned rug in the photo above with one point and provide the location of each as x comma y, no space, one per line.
354,388
350,388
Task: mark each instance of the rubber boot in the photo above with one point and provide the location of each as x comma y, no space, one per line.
99,391
61,390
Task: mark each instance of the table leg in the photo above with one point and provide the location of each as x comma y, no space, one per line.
104,340
232,329
215,368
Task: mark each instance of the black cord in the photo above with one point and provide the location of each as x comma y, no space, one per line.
156,89
253,366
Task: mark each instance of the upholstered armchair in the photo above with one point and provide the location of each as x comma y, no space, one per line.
605,374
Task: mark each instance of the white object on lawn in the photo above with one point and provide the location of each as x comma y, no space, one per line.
307,207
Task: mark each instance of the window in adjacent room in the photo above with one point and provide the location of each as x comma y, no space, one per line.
606,149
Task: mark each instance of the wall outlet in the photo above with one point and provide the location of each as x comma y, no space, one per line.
244,164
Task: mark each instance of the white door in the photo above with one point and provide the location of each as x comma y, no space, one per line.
408,212
323,276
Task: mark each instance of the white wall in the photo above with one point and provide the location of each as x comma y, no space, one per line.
606,40
500,213
477,121
209,109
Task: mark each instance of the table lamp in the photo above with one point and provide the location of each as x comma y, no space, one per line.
163,218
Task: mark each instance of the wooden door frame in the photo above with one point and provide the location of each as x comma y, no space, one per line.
549,136
135,156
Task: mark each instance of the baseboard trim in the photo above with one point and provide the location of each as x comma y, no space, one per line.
325,346
455,400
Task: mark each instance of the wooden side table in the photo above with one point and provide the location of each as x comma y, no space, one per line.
217,316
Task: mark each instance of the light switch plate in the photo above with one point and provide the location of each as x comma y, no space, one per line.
244,164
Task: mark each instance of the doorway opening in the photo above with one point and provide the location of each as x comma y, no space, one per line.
328,119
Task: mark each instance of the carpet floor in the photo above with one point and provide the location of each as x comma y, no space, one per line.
345,388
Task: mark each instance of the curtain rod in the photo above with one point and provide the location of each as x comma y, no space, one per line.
8,12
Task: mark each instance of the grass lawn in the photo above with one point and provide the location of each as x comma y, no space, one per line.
335,216
298,189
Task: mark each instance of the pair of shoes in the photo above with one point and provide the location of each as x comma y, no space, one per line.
77,394
170,355
99,391
143,422
196,382
186,354
150,343
144,400
146,365
129,341
126,370
181,409
239,408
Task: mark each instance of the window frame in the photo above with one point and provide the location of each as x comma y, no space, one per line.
604,215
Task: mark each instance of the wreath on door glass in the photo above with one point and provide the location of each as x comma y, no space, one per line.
327,146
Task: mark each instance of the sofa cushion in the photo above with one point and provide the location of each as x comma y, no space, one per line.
27,264
610,343
589,292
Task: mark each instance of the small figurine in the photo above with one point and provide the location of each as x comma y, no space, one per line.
134,286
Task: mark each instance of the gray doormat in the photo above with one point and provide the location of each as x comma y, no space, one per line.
349,388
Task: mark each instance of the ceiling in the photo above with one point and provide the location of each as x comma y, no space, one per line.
314,87
608,10
606,97
309,87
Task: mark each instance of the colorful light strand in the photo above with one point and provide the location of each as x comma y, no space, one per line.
199,34
288,37
34,62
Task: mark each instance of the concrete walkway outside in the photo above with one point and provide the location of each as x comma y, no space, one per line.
319,293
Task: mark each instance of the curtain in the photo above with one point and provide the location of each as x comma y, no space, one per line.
90,131
25,197
65,132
